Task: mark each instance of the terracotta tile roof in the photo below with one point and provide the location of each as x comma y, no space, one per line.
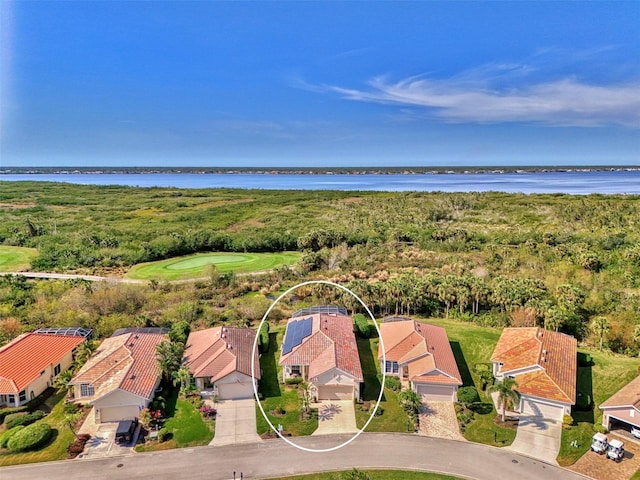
219,351
424,348
332,344
127,362
627,396
552,354
22,359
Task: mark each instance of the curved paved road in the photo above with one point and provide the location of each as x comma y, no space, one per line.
276,458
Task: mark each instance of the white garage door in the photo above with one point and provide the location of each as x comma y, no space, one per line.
335,392
544,410
230,391
437,393
115,414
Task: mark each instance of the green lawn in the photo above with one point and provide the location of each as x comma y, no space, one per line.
393,418
200,265
13,259
187,427
472,344
375,475
607,374
56,449
277,396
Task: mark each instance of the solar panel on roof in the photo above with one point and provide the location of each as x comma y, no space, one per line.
307,325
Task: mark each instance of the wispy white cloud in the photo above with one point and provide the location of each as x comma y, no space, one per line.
499,93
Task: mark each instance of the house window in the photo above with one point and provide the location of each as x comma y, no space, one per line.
12,399
22,396
86,390
391,367
295,370
56,370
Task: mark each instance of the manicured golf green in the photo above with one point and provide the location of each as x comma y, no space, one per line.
13,259
195,266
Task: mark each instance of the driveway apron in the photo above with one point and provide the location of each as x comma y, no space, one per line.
538,438
235,422
336,416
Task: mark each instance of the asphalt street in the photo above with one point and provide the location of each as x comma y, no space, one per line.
276,458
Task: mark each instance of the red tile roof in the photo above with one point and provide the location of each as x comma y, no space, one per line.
424,348
552,354
219,351
127,362
331,344
22,359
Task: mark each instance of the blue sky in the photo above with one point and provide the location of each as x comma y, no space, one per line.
319,83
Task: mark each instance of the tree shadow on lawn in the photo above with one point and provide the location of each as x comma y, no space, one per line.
269,386
583,410
467,379
368,362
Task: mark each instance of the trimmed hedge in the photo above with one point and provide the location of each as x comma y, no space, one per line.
5,412
25,420
30,438
29,406
6,436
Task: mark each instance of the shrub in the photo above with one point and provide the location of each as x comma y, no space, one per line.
468,395
480,407
25,420
30,438
6,436
362,325
12,416
164,435
10,410
294,380
70,408
379,410
393,383
567,421
599,428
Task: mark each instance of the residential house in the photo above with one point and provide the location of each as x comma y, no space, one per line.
622,409
122,375
30,363
544,365
219,360
420,354
320,347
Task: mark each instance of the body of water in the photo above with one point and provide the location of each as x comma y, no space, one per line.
572,182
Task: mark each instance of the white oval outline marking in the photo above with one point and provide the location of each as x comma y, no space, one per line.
253,367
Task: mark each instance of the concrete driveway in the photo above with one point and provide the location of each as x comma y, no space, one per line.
102,443
335,416
235,422
538,438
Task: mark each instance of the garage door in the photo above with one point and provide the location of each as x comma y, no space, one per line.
335,392
115,414
544,410
437,393
229,391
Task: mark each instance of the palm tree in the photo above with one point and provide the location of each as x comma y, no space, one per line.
169,355
62,381
182,377
85,350
506,392
600,326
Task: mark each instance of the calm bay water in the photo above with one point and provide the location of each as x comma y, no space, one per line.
574,182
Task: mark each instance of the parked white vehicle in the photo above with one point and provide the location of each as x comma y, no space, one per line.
615,451
635,432
599,443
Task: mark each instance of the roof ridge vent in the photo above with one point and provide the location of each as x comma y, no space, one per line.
229,346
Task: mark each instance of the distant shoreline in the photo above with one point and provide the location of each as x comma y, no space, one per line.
317,170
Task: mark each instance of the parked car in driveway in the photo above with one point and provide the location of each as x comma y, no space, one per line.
615,451
599,443
125,430
635,432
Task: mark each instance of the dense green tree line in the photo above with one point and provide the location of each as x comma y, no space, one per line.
561,261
